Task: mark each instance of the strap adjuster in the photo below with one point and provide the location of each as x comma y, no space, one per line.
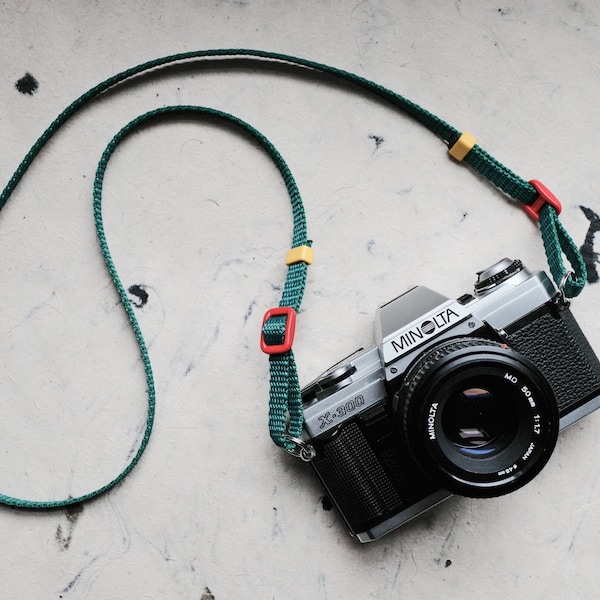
545,197
463,145
299,254
290,329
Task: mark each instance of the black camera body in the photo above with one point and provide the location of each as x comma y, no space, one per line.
459,396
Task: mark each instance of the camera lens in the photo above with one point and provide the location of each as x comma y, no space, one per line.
481,419
478,418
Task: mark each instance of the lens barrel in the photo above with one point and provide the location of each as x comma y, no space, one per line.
478,418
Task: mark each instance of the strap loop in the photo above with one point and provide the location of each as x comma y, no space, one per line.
286,416
464,144
556,243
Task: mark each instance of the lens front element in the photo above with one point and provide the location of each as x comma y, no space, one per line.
478,418
480,421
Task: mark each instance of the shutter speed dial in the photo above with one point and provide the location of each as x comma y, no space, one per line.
496,274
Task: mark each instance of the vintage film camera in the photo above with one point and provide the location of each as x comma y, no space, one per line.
459,396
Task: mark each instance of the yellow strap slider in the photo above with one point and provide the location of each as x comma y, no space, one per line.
300,254
463,146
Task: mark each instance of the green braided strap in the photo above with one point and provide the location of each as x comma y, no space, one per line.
478,159
555,238
285,389
557,241
284,369
285,415
500,176
285,405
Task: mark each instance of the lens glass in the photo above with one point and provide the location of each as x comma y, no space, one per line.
480,416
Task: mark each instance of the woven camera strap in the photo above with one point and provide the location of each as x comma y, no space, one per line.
285,407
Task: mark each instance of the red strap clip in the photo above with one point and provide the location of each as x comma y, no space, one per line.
290,329
545,197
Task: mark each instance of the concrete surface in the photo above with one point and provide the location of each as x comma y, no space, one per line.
198,218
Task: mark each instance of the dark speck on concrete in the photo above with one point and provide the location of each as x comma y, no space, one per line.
28,84
140,294
207,595
64,537
377,139
590,256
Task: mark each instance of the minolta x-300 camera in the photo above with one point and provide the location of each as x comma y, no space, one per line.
459,396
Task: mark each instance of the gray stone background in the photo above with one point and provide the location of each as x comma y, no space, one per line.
198,220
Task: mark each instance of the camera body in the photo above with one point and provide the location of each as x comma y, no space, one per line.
459,396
